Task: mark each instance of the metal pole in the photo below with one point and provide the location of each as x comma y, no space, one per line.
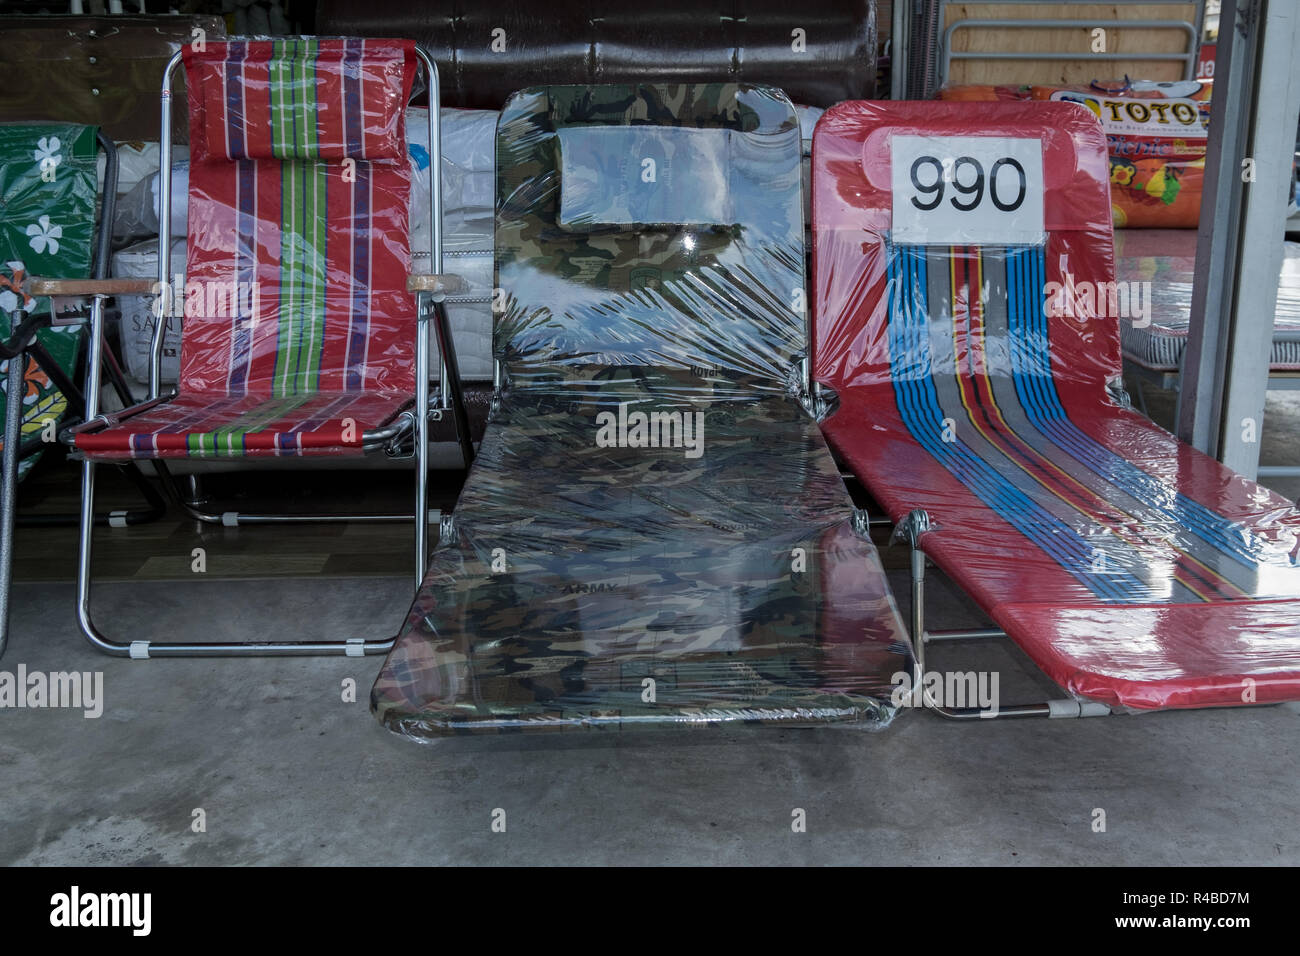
918,609
85,540
165,304
422,327
9,488
898,40
971,634
1239,249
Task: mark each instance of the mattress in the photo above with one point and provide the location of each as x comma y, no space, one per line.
1166,259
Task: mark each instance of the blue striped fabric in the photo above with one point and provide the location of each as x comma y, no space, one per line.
1031,367
919,406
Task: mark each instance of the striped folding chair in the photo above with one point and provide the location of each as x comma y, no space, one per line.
304,333
967,324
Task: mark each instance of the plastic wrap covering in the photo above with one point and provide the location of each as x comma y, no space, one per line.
1157,149
654,533
47,225
468,187
1163,261
820,53
469,196
103,70
298,334
972,382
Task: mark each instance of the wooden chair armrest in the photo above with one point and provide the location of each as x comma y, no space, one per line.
36,286
447,284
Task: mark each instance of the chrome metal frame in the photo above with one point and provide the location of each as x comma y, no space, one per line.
912,529
417,419
9,486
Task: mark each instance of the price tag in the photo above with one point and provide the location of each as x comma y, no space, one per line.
967,190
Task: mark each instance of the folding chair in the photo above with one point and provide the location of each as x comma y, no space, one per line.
964,319
48,193
301,336
653,533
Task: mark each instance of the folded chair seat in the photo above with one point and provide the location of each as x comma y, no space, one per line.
48,201
617,565
653,527
210,426
1134,570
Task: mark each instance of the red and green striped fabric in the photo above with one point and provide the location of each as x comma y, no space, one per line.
295,299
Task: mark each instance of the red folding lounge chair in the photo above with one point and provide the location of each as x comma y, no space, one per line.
957,322
300,336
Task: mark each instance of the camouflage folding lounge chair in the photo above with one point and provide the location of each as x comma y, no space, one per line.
653,533
301,335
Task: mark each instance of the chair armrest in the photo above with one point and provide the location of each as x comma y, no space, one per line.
446,284
37,286
112,419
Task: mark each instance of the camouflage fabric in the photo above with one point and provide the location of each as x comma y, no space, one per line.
47,221
654,533
670,175
729,297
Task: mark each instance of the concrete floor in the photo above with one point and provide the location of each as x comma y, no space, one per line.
285,772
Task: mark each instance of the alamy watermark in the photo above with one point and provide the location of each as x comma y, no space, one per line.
635,429
950,690
179,299
72,690
1083,298
75,909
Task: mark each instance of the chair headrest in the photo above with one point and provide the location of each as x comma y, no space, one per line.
644,176
302,98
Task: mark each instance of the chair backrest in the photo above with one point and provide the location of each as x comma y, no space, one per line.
298,246
651,227
1029,307
48,190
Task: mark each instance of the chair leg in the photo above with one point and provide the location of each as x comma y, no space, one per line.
910,529
155,508
9,488
145,650
193,504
